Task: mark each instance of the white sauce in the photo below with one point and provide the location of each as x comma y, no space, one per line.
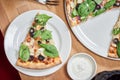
82,68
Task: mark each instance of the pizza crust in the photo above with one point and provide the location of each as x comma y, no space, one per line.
38,65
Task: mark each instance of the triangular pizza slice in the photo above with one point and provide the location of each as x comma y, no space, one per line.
38,50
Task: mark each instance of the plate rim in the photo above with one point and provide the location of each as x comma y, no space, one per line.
68,33
83,43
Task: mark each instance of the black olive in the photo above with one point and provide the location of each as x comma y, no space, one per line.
39,42
41,58
31,31
31,58
115,40
77,6
97,7
117,4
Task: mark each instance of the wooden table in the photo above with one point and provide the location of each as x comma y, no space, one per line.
9,9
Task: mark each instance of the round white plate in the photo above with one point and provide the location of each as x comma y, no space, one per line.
17,31
96,33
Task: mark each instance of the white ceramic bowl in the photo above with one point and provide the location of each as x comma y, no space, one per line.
81,66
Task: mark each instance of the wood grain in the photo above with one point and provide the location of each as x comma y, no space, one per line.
9,9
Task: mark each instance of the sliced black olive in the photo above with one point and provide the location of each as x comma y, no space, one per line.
31,31
39,42
31,58
97,7
115,40
41,58
117,4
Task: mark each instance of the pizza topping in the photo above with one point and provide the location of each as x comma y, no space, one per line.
24,53
41,19
46,34
31,58
86,8
37,33
109,4
117,4
77,6
98,1
98,12
39,42
115,40
42,28
50,50
79,1
74,13
41,58
118,49
97,7
116,31
31,31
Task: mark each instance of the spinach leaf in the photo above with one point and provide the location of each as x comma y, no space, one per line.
46,34
74,13
98,12
83,10
86,8
116,31
37,33
98,1
24,53
118,49
50,50
92,6
42,19
109,4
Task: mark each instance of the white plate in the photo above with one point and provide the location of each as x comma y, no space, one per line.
17,31
96,33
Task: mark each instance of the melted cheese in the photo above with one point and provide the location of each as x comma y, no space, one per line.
79,1
40,51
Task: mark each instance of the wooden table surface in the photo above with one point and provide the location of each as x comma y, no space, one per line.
9,9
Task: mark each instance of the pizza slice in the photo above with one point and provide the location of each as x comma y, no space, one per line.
114,49
80,10
38,50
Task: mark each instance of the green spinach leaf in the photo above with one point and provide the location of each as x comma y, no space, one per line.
50,50
86,8
98,1
109,4
24,53
98,12
74,13
37,33
46,34
116,31
118,49
42,19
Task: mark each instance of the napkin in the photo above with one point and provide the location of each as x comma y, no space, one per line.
7,72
